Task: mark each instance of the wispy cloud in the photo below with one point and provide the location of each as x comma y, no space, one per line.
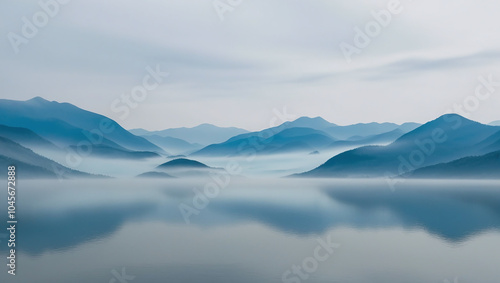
263,55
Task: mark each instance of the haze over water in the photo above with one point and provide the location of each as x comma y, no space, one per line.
256,230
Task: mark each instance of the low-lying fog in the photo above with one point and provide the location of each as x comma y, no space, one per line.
278,165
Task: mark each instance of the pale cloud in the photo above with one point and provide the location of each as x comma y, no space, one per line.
264,55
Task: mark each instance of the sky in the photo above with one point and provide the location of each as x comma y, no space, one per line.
239,62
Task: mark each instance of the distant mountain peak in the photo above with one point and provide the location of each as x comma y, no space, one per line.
38,99
452,116
307,118
203,134
446,138
317,123
207,125
449,115
449,123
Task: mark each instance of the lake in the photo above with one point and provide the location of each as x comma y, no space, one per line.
255,230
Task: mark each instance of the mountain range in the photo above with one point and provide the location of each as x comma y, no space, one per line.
65,124
448,138
173,145
37,135
204,134
307,135
31,165
485,167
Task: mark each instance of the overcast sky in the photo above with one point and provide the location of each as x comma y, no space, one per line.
263,55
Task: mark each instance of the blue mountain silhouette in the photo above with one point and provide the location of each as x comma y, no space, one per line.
479,167
204,134
286,141
31,165
367,129
445,139
26,138
180,167
173,145
65,124
183,163
305,135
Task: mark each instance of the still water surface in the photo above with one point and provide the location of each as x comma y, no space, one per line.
255,231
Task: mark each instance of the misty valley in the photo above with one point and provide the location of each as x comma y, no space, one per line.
61,141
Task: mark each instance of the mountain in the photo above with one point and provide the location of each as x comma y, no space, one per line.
296,140
141,132
316,123
30,165
58,132
409,126
495,123
445,139
305,135
173,145
183,163
220,135
383,138
204,134
181,167
286,141
346,132
31,140
29,171
26,138
104,151
261,141
65,124
474,167
365,130
489,144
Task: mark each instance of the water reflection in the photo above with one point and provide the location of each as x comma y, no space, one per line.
61,216
452,212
